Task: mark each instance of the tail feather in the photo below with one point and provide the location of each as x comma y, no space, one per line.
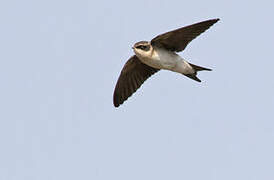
196,68
193,76
199,68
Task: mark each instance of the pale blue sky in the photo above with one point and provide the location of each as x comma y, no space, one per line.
59,63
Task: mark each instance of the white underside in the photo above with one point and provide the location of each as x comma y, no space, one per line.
163,59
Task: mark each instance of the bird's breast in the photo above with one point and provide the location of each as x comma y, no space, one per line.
161,59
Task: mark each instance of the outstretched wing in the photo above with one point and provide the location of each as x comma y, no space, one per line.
178,39
132,76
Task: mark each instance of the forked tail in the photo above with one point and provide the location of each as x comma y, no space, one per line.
196,68
199,68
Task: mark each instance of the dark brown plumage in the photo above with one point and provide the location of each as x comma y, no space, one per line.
132,76
178,39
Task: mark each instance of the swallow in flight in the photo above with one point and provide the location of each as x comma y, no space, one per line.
159,53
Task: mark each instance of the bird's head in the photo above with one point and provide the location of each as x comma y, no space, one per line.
142,49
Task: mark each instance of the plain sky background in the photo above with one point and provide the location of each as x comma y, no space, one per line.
59,63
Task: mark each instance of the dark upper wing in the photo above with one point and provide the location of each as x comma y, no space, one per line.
132,76
178,39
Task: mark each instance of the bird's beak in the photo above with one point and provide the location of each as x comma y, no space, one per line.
132,47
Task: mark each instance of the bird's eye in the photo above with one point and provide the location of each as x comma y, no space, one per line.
145,48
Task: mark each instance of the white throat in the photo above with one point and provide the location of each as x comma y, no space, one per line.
160,58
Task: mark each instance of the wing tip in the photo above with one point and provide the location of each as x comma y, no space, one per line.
215,20
116,104
116,101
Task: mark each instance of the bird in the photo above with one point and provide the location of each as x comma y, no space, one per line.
159,53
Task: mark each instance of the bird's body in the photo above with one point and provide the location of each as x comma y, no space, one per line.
160,58
159,53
